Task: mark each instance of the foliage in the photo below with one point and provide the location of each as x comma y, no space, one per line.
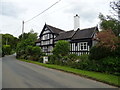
84,57
110,65
61,48
108,44
98,52
73,57
8,39
107,39
26,48
7,49
109,23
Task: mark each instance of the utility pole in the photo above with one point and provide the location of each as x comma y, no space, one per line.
22,29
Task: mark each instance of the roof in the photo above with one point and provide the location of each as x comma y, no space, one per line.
54,29
37,41
65,35
84,33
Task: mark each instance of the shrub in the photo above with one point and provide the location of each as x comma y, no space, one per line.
84,57
40,59
7,49
111,65
36,50
52,59
117,51
29,50
61,48
97,53
73,57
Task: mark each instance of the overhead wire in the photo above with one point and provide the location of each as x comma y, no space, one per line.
42,11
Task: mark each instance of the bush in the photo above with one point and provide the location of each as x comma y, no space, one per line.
110,65
117,51
7,49
73,57
97,53
84,57
29,50
61,48
52,59
40,59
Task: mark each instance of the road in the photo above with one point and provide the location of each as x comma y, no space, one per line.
18,74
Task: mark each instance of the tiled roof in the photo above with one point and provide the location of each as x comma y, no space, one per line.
84,33
54,29
65,35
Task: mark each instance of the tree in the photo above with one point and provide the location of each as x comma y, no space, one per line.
28,40
62,48
115,6
8,39
109,23
107,39
26,48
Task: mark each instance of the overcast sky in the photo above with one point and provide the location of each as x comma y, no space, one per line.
13,12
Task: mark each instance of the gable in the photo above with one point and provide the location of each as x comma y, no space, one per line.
45,30
85,33
50,29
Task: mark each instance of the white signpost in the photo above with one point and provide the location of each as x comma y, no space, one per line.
45,59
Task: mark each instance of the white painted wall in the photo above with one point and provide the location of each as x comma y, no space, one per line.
76,22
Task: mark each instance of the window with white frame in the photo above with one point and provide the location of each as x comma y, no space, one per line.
37,44
51,41
45,49
83,46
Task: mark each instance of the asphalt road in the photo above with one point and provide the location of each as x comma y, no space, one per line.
18,74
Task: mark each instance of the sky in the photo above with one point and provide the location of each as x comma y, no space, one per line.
13,12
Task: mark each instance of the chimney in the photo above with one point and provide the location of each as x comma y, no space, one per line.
76,22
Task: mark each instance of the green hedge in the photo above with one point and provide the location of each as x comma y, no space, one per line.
108,65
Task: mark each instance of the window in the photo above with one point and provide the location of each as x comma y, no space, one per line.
45,37
51,41
50,36
37,44
83,46
45,49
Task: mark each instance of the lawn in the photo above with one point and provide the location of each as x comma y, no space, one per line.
106,78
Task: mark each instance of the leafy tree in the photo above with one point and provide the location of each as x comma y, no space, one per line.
7,49
107,39
31,35
109,23
8,39
26,48
61,48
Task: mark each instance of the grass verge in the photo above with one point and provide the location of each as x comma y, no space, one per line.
106,78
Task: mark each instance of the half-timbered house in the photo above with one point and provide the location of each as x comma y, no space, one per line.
81,40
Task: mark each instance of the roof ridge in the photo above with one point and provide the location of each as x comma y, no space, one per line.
54,27
88,28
